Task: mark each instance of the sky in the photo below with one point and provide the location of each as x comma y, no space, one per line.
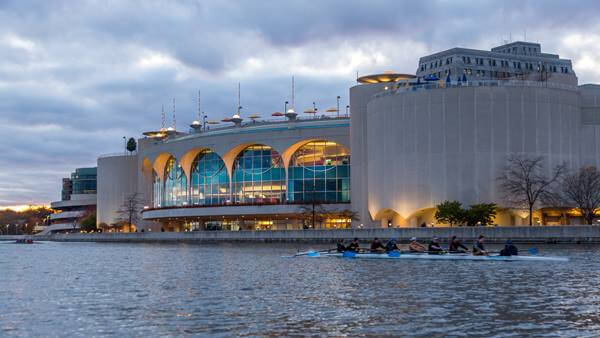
77,76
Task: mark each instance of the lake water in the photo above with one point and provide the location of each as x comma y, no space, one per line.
94,289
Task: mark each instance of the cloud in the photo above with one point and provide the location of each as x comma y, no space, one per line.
77,76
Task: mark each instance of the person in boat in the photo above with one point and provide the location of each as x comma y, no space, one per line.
478,248
391,245
509,249
435,247
376,246
415,246
353,246
456,246
340,246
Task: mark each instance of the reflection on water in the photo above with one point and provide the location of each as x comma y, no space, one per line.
248,289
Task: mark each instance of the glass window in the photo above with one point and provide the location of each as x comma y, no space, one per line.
156,190
209,182
175,185
263,176
322,167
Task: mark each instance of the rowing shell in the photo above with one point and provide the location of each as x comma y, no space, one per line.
458,257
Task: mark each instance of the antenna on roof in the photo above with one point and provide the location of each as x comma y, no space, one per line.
293,94
239,105
174,120
164,118
199,107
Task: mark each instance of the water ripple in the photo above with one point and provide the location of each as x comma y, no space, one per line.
88,289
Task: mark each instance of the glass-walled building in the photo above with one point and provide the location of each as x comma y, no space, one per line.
320,171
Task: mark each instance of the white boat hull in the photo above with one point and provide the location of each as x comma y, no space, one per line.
465,257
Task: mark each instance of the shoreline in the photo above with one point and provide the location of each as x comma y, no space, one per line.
572,234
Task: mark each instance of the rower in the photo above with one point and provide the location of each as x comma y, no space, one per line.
434,246
478,248
376,246
415,246
456,246
353,246
391,245
509,249
340,246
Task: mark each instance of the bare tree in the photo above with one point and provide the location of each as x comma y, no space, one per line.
129,211
524,182
581,190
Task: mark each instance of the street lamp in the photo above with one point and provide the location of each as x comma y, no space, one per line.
347,109
125,145
338,106
285,107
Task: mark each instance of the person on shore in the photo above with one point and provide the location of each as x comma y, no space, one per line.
391,245
415,246
376,246
340,246
456,246
435,247
353,246
478,248
509,249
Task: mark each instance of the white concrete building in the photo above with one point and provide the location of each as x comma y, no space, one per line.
410,143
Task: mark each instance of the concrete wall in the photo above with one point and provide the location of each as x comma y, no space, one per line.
428,146
117,179
551,234
359,97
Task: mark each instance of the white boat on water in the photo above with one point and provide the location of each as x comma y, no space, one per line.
427,256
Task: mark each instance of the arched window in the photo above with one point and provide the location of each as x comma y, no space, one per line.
319,171
156,190
175,187
209,182
258,176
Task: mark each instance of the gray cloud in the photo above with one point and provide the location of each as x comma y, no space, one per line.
76,76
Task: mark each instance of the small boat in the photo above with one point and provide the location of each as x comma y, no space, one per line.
427,256
24,241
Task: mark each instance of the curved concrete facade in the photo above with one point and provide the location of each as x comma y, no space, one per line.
117,179
428,146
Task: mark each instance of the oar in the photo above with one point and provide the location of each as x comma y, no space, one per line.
308,253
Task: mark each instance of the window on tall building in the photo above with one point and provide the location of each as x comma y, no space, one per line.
319,171
258,176
175,185
156,190
209,183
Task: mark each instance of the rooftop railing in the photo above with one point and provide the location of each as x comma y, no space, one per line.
476,83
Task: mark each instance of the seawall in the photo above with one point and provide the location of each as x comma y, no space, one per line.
523,234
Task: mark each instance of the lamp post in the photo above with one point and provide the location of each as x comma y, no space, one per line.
285,107
338,106
125,145
347,109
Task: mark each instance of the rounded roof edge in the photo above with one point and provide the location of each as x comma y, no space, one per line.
384,78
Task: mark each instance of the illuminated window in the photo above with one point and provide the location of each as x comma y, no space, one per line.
319,171
175,187
156,190
209,182
258,176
